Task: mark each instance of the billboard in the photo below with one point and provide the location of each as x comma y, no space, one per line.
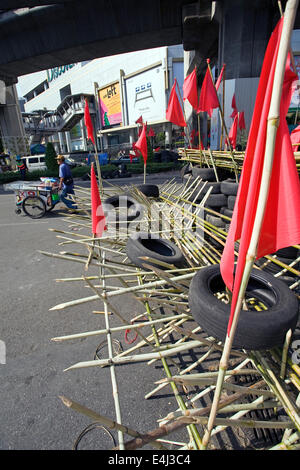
145,94
295,97
110,105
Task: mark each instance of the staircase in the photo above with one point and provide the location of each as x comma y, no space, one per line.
45,123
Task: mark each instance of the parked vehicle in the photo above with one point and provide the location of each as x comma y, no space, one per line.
36,162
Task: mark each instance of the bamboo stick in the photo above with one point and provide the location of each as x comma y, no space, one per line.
289,19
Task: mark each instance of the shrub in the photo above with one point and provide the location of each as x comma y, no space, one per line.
50,157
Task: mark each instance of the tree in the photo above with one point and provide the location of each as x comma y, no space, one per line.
150,153
50,157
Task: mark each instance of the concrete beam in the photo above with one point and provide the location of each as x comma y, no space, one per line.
51,35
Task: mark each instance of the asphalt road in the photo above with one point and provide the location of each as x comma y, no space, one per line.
32,417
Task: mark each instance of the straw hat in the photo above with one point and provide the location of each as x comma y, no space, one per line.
60,157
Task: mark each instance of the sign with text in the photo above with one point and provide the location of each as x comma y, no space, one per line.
110,105
145,94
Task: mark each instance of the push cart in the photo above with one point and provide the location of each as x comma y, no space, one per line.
35,199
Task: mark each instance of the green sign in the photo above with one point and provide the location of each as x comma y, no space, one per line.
54,73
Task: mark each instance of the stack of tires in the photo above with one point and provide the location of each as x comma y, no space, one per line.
222,196
287,256
229,188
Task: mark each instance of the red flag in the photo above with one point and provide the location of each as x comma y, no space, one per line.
174,112
208,97
190,91
233,132
242,124
281,223
218,83
88,122
151,132
141,144
234,107
98,217
295,138
139,120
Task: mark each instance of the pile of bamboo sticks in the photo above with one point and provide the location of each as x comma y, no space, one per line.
165,330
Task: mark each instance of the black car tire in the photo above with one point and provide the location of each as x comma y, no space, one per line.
150,190
256,330
230,202
206,174
134,208
229,187
145,244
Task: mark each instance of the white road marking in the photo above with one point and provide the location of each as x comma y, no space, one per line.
22,223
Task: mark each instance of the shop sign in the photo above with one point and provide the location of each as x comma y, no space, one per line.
110,105
54,73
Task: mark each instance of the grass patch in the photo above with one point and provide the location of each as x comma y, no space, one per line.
80,171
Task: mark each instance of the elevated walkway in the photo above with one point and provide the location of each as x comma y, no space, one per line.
42,123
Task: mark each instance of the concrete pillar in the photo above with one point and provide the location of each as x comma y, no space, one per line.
131,136
244,34
68,141
13,135
83,134
168,133
62,144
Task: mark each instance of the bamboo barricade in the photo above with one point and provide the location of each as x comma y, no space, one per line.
256,386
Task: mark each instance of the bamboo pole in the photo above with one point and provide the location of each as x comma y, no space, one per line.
223,107
224,125
273,118
110,352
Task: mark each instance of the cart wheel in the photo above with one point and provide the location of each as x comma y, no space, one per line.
34,207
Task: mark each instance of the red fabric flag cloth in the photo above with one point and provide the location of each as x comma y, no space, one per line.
295,138
234,107
174,112
281,223
98,217
139,120
233,132
141,144
190,90
242,124
151,132
208,97
218,82
88,122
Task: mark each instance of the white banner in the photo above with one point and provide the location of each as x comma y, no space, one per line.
145,94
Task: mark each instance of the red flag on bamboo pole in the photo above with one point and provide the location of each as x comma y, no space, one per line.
242,124
234,107
139,120
141,144
218,82
88,122
233,132
208,97
174,111
190,90
98,217
281,224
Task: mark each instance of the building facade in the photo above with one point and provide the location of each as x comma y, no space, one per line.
119,90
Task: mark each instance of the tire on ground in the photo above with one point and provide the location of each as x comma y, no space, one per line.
256,330
206,174
231,202
150,190
229,187
216,200
144,244
119,201
216,221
